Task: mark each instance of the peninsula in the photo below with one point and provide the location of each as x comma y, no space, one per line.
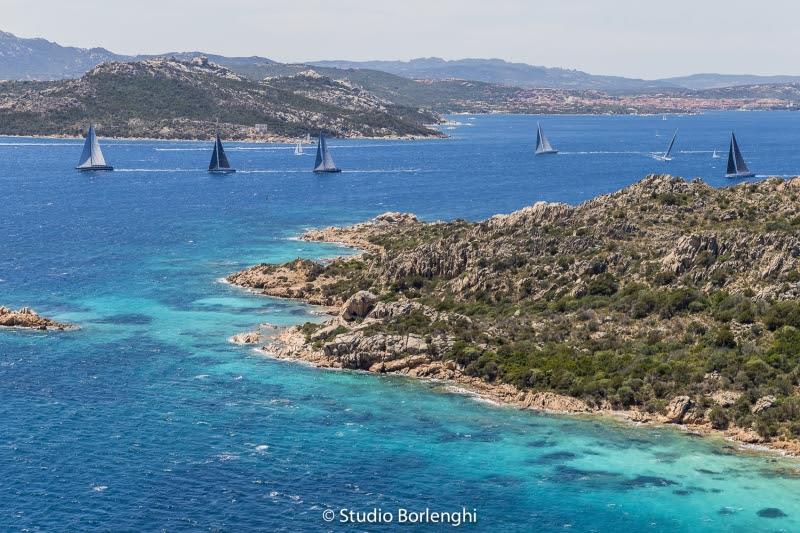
668,301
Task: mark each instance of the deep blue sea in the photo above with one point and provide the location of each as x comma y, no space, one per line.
148,419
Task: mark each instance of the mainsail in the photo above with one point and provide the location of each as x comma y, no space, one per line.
92,156
324,161
737,168
542,144
298,150
219,161
671,144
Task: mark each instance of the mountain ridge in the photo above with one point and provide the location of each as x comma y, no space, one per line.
40,59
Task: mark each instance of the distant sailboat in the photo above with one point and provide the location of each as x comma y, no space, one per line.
298,150
715,155
308,138
324,161
666,155
219,161
92,157
737,168
542,144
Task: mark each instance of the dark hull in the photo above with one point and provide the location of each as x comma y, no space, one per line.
222,170
546,152
328,171
741,175
94,168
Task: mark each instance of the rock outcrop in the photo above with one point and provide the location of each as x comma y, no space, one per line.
28,318
358,305
677,409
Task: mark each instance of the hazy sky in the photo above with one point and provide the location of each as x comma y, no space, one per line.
639,38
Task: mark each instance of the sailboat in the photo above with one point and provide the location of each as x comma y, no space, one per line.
542,144
666,155
715,155
92,157
298,150
308,138
737,168
219,161
324,161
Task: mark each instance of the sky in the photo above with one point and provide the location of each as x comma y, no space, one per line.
635,38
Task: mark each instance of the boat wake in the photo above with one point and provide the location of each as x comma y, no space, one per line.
602,152
47,145
158,170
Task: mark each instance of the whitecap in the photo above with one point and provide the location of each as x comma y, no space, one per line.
99,488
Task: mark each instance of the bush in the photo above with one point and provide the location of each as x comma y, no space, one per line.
781,314
602,285
724,338
719,418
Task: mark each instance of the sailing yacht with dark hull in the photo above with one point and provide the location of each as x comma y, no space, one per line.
219,161
92,157
737,168
324,162
666,156
543,146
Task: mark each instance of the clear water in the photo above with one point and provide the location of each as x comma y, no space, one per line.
146,418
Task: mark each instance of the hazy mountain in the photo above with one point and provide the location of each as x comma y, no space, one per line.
39,59
717,81
499,71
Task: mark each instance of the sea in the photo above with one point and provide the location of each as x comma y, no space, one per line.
148,419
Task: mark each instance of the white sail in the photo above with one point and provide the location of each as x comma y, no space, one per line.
542,144
298,150
92,155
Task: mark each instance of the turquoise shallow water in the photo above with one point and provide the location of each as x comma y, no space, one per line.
146,418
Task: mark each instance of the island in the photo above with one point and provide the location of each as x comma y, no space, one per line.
27,318
669,301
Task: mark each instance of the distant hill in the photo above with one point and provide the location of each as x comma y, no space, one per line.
167,98
499,71
39,59
717,81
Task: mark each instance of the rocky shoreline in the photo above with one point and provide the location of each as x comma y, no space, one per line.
291,344
27,318
356,338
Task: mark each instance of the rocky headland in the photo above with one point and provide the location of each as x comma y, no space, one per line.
27,318
666,302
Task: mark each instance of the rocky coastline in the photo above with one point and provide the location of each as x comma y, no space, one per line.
375,332
27,318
